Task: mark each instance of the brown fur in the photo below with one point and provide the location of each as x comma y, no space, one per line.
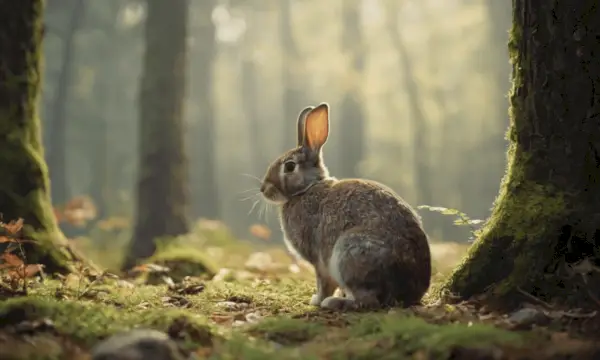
358,234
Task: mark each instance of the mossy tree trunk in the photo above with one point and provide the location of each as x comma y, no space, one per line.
24,185
544,232
162,189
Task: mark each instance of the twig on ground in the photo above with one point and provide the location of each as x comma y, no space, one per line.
536,299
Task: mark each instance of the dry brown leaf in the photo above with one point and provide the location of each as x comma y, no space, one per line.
77,211
221,319
32,269
260,231
113,223
11,259
4,239
204,352
14,226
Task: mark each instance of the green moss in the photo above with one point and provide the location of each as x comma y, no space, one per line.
401,336
286,331
184,262
87,323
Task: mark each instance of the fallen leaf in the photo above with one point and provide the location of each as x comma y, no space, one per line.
260,231
221,319
11,260
13,227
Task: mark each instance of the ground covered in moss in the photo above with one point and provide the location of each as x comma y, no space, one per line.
254,305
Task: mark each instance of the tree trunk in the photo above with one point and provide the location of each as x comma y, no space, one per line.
351,139
57,160
293,96
100,185
204,172
24,186
162,191
544,231
419,121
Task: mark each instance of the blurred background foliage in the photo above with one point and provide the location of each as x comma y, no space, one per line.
417,90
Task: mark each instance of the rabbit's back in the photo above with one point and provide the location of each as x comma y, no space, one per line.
332,207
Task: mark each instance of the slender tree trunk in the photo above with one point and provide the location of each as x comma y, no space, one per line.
249,89
24,187
162,192
203,173
544,233
351,139
293,96
105,94
419,120
57,159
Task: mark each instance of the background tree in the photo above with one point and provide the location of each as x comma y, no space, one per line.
252,68
293,99
544,233
24,187
202,132
162,193
57,157
352,132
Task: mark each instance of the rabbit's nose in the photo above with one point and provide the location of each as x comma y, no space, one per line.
262,188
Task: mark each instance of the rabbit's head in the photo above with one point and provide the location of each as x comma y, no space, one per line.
298,169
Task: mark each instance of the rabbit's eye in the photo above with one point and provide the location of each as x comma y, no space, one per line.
289,166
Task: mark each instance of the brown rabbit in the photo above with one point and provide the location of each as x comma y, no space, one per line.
358,234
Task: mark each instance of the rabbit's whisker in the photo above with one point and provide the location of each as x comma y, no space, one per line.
250,197
248,190
252,177
253,206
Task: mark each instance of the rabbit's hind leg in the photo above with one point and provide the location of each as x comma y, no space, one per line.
354,266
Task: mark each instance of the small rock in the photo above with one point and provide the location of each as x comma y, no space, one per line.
124,284
223,274
294,268
259,261
253,317
137,344
526,317
230,305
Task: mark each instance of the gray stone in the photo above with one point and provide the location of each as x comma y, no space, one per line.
137,344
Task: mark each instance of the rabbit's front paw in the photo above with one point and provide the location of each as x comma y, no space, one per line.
315,300
338,303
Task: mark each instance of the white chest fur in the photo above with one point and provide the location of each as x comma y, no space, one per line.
292,249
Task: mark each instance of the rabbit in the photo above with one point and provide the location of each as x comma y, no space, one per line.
360,236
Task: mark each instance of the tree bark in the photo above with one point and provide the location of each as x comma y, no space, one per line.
162,189
24,185
420,131
351,139
105,93
57,159
293,96
544,230
204,172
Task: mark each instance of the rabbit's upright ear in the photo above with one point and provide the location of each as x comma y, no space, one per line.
316,128
300,125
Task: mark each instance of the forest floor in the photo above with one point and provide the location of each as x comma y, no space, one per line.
255,306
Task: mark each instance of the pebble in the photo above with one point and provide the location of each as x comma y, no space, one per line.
137,344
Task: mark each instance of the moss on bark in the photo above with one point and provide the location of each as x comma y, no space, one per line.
546,219
24,176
